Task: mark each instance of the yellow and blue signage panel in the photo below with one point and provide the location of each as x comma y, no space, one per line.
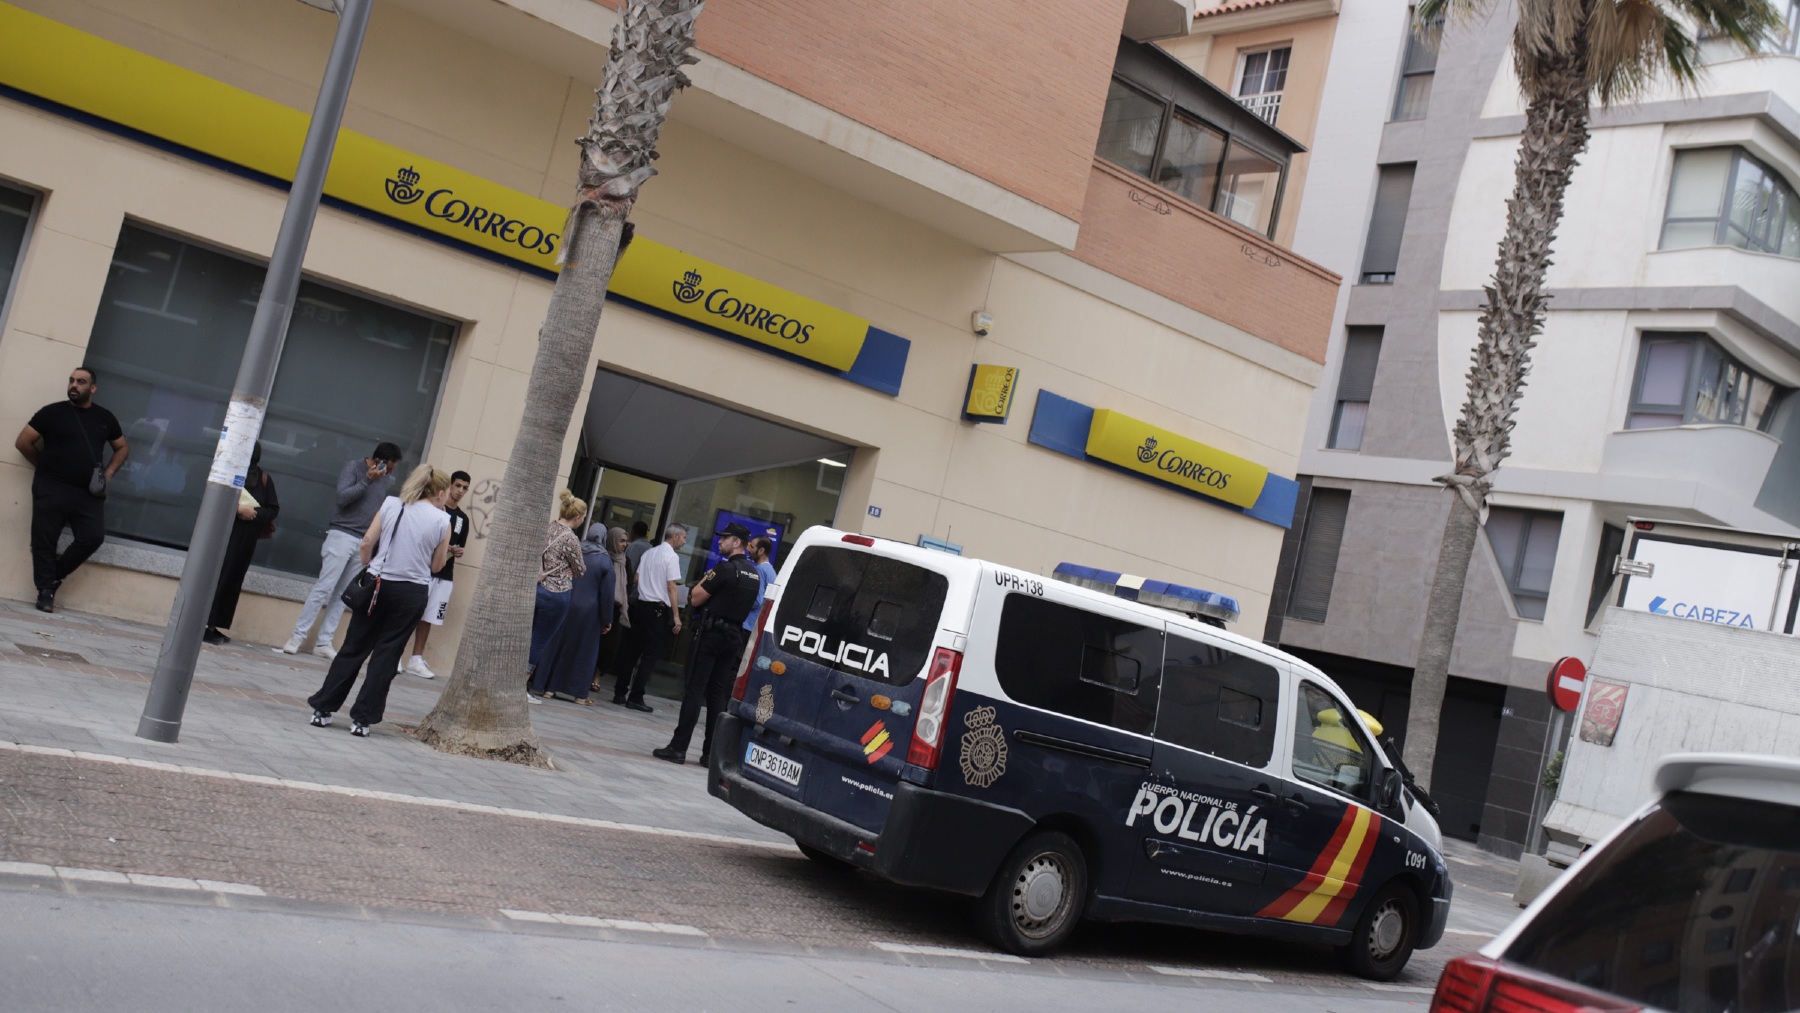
990,394
1132,445
689,287
1136,445
92,76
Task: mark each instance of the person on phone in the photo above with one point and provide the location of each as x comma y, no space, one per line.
408,540
64,441
362,484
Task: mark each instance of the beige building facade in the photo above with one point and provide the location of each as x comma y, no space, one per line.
133,246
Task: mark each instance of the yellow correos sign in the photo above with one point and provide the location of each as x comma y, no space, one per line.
1141,447
706,293
87,73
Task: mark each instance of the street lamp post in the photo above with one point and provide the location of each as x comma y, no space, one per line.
167,700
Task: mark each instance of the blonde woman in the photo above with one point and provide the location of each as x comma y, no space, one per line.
562,563
406,543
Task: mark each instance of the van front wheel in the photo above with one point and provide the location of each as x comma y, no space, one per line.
1037,896
1384,936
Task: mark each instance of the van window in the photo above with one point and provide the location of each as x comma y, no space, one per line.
1329,750
1218,701
886,607
1074,662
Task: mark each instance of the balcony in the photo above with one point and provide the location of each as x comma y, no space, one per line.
1266,106
1716,470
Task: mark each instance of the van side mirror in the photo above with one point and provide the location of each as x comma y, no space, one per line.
1387,788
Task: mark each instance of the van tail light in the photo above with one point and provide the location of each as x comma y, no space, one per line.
863,540
1477,984
742,684
928,730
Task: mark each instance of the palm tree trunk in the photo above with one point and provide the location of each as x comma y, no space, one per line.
482,711
1555,134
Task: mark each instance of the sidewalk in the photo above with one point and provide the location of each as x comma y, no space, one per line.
78,682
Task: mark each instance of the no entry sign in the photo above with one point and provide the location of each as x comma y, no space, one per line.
1567,677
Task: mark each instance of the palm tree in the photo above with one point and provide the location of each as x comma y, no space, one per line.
482,711
1566,54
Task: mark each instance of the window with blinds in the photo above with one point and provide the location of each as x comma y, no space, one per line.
1524,543
1413,100
1316,568
1381,254
1356,386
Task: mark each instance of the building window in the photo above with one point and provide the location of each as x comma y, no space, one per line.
1381,253
170,330
1524,542
1413,100
1356,384
1261,78
1190,157
1316,568
1785,40
1687,379
16,207
1724,197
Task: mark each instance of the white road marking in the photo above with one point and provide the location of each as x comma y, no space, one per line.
389,796
133,878
1208,972
1382,986
589,921
950,951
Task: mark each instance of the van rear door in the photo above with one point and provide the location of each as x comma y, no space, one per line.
853,635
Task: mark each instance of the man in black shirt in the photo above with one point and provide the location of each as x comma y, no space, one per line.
437,600
63,442
726,595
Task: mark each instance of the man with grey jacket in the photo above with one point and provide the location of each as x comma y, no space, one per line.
361,486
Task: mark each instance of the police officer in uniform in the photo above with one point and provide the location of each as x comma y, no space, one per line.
727,593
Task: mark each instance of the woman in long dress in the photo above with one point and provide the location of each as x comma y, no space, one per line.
568,670
616,540
253,518
562,564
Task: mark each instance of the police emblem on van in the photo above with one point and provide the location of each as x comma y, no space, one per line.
844,652
983,748
765,705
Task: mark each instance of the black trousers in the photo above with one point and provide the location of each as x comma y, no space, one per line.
717,651
650,632
56,505
380,638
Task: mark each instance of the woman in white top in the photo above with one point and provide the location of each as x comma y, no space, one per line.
408,542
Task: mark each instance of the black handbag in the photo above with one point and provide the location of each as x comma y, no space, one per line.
365,587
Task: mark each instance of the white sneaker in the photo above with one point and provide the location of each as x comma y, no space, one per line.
291,647
532,699
325,651
415,665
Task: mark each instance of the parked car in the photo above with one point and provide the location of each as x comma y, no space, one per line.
1091,747
1692,905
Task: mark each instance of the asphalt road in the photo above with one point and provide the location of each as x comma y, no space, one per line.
95,954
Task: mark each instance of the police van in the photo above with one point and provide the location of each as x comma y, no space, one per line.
1094,746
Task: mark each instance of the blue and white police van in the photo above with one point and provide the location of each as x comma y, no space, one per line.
1094,746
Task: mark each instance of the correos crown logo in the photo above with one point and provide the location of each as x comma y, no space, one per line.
1147,452
720,302
404,189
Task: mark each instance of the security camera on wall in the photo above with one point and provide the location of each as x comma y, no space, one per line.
982,323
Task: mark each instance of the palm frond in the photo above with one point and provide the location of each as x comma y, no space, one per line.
1633,42
1747,23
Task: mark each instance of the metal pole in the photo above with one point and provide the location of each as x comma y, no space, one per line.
167,700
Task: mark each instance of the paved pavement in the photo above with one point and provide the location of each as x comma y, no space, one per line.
382,827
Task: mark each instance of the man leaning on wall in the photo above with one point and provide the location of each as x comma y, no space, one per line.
361,486
65,442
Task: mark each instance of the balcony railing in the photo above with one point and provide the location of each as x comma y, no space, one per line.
1266,106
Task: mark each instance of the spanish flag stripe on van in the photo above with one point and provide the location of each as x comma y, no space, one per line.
1320,896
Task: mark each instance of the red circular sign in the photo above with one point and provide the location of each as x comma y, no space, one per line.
1567,677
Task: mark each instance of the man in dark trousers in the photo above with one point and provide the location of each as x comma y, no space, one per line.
64,442
725,595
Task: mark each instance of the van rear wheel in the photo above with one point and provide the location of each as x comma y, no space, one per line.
1037,896
1385,935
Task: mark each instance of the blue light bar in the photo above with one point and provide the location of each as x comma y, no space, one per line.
1161,593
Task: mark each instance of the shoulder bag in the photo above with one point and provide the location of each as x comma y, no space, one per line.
365,587
96,486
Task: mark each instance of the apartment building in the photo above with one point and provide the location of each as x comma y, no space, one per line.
1658,389
1001,236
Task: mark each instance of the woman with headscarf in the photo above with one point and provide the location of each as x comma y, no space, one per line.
616,540
256,510
568,669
